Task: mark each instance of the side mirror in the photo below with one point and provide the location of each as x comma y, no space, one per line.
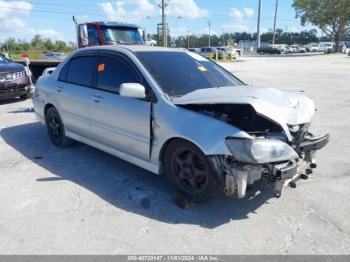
83,34
133,90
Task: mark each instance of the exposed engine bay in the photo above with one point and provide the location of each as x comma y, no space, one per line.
236,175
242,116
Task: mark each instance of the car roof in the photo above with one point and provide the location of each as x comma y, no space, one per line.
132,48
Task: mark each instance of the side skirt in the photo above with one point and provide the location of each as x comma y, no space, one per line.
129,158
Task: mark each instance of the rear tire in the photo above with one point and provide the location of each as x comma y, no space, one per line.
189,172
55,129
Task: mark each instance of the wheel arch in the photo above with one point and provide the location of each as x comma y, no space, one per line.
166,145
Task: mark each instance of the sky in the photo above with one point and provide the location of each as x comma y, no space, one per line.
53,18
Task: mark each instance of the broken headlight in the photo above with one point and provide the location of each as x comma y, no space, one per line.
259,151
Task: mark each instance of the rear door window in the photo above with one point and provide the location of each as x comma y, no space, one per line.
81,70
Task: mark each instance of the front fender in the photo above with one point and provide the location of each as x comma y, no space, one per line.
205,132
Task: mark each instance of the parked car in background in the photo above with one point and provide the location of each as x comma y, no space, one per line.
312,47
269,50
285,49
346,47
14,79
298,48
229,52
327,47
191,120
54,55
151,42
208,52
194,50
234,48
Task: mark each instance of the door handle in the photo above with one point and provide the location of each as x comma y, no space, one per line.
97,98
59,89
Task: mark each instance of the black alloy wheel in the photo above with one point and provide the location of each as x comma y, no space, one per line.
189,171
55,128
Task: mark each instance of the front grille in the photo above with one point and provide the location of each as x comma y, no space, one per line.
11,76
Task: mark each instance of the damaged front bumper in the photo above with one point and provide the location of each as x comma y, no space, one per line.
237,176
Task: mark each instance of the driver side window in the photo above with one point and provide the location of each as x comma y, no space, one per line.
114,71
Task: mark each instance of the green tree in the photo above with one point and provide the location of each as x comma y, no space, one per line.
72,45
49,45
37,42
60,45
9,45
332,17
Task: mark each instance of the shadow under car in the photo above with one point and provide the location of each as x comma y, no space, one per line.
124,185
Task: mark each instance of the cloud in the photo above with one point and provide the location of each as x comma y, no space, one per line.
47,33
11,14
118,11
249,12
238,14
241,20
185,8
12,24
205,31
237,28
179,31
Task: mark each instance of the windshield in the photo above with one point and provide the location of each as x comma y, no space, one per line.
180,73
122,35
3,59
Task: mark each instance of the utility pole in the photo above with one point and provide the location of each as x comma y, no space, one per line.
209,24
223,37
164,25
274,24
258,29
188,39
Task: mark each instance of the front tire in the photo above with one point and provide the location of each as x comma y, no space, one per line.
25,96
189,172
55,128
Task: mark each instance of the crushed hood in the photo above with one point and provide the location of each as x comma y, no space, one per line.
283,107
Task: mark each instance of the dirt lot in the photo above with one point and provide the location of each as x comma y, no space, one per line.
79,200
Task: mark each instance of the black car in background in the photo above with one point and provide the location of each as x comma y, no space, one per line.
14,79
269,50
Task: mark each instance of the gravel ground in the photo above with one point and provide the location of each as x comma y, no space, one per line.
80,200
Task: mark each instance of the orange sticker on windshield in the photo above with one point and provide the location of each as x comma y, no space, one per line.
101,68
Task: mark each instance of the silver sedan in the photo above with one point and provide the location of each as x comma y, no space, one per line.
176,113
